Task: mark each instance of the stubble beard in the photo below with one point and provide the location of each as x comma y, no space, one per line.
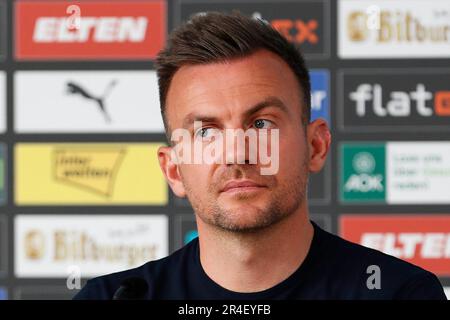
283,201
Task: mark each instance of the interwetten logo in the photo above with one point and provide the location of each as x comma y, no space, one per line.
94,170
3,173
89,174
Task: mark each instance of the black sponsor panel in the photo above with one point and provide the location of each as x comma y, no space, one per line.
3,29
185,229
319,185
3,246
395,100
322,220
305,23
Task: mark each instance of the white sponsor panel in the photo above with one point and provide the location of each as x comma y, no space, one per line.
55,245
3,247
86,101
418,172
394,29
2,101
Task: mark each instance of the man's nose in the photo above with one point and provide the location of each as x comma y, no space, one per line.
239,148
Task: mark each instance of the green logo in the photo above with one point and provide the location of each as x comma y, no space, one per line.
363,173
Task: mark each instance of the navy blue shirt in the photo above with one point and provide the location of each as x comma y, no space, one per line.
333,269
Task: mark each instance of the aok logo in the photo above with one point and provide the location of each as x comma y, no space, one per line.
363,175
400,103
364,179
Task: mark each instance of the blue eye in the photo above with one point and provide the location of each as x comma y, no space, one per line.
262,124
205,132
201,132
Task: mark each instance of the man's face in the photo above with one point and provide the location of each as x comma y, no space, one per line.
222,95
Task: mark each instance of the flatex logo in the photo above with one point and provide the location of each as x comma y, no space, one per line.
395,100
304,23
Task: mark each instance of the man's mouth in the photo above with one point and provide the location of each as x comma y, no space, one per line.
242,186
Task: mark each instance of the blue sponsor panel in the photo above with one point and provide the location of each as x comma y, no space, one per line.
320,93
3,294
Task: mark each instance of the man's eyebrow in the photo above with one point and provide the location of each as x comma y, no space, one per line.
192,117
270,101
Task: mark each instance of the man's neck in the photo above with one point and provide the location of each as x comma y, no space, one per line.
256,261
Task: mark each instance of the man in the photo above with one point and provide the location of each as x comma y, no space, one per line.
228,72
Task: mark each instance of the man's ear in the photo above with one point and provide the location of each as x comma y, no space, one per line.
319,140
170,169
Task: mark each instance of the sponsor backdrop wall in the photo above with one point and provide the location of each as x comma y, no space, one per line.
81,192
